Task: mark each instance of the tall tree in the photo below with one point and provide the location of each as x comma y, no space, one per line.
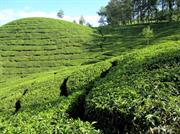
102,11
74,21
170,4
142,11
151,9
103,14
119,11
102,21
128,10
82,20
177,3
162,12
60,14
88,24
113,12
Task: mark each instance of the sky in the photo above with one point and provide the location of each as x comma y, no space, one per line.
15,9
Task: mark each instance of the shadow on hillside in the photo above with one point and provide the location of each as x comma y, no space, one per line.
117,41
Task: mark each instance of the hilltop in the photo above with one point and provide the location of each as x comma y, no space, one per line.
78,81
40,44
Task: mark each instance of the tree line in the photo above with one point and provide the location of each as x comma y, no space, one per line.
82,21
121,12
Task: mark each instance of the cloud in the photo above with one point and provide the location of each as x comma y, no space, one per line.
8,15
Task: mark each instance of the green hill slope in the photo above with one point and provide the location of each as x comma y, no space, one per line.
39,44
141,94
123,39
136,90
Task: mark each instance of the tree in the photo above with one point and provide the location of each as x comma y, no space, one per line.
88,24
122,12
60,14
148,33
102,11
170,4
74,21
82,20
128,10
162,13
103,14
119,12
151,10
177,12
102,21
113,12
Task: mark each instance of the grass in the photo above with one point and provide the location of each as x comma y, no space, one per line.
60,77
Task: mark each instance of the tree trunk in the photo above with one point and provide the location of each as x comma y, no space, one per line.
170,4
178,9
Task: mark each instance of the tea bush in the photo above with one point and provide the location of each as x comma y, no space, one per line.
142,93
117,84
43,43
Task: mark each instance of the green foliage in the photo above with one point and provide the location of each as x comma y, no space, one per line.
42,109
40,44
138,93
88,24
148,34
82,20
138,11
86,76
103,13
60,14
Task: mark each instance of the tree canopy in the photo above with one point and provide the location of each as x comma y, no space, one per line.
60,14
140,11
82,20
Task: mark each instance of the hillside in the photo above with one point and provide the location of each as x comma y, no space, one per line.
40,44
116,84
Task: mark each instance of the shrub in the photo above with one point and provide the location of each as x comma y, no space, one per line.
148,33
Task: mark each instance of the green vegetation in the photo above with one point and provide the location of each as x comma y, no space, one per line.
60,77
82,20
39,44
60,14
42,108
142,92
148,34
122,12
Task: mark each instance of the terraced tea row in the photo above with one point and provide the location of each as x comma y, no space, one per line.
135,91
141,94
42,43
27,97
122,84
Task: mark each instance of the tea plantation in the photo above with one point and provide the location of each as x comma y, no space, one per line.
40,44
57,77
